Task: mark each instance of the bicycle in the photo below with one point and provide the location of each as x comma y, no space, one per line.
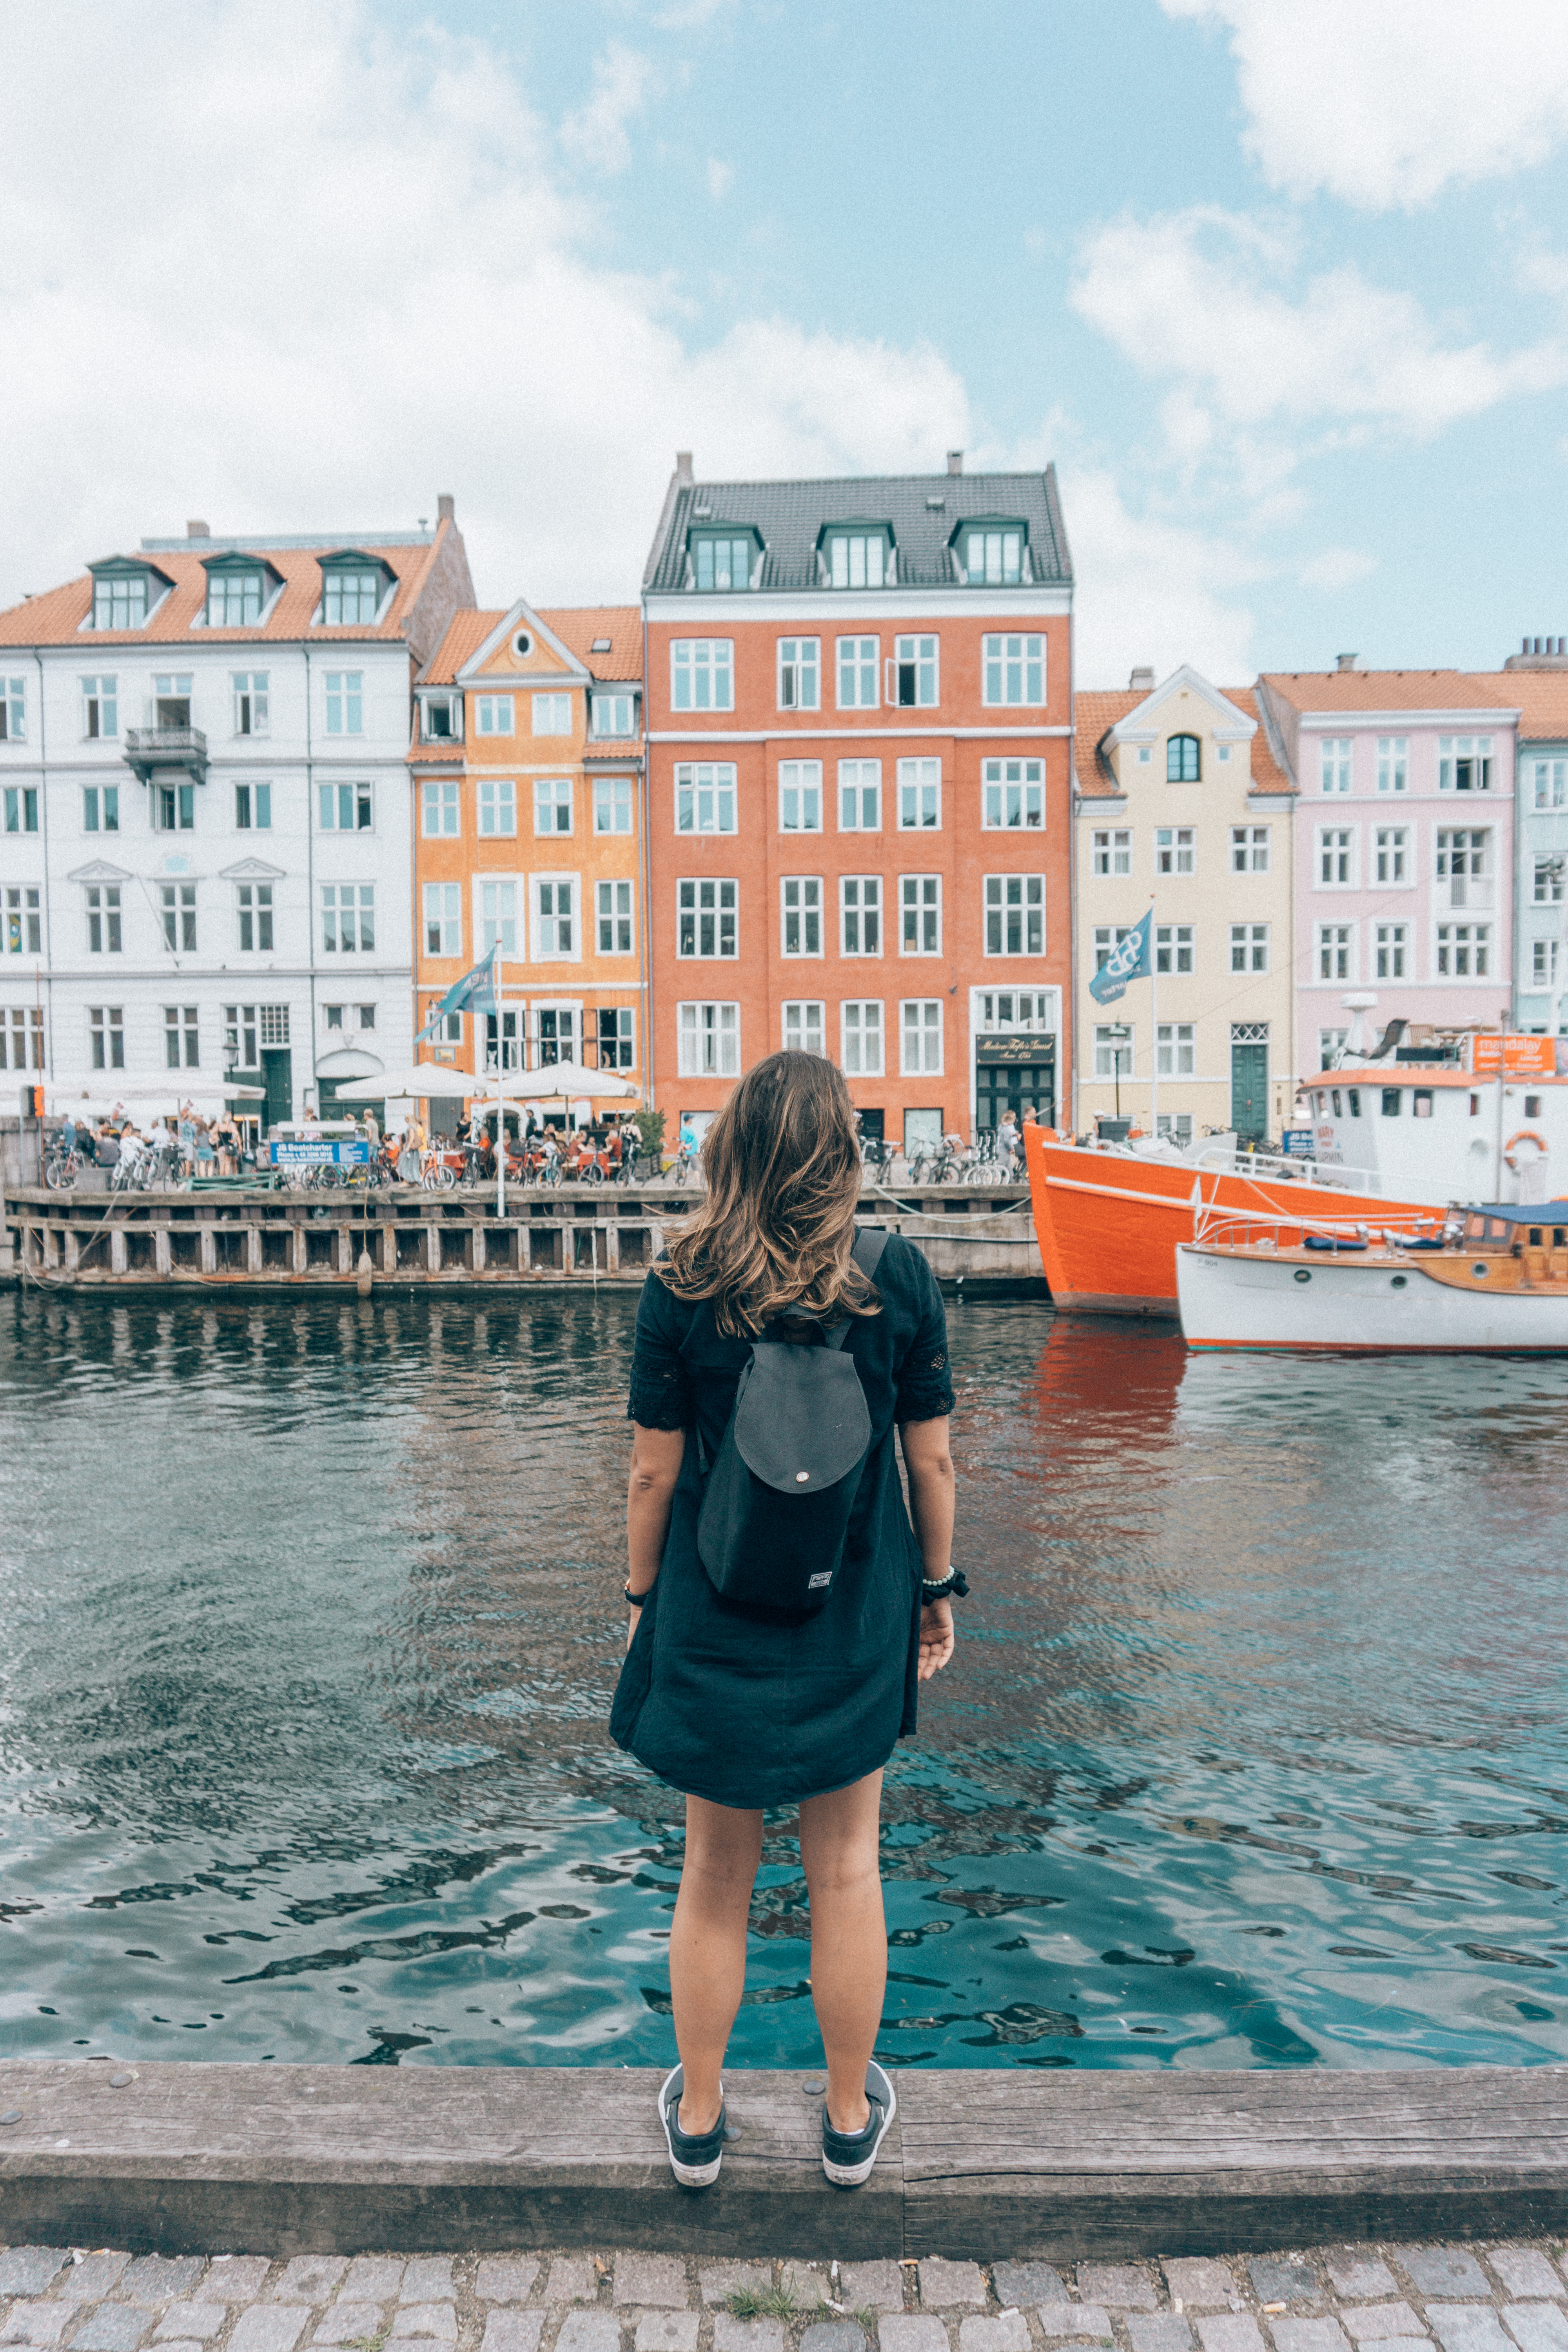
685,1165
438,1173
62,1167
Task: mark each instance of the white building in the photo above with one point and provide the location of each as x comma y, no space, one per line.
205,828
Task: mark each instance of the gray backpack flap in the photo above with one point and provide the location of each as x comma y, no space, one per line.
778,1494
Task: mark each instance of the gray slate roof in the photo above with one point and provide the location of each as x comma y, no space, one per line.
790,517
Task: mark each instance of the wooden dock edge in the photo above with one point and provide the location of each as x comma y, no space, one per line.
190,2158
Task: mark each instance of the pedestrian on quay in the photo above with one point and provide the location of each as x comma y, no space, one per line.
207,1157
1008,1139
795,1697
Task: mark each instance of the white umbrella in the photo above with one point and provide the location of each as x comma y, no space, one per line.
566,1081
432,1081
109,1087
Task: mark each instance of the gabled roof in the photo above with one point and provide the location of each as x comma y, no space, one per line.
923,511
1268,775
1184,680
1095,715
55,618
1542,697
465,633
581,627
1394,690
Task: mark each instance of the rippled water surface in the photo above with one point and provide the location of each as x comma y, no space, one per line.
1253,1753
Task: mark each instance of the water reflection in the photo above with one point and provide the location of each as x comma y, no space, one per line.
1253,1753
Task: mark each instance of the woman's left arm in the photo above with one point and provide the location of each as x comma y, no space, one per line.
656,1457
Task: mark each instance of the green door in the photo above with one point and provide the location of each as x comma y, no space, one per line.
1249,1092
278,1077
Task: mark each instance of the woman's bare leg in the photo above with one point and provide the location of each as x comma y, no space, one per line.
838,1847
708,1947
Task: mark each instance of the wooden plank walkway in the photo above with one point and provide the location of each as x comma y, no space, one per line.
298,2160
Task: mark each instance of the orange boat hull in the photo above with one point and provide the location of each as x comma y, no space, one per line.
1107,1224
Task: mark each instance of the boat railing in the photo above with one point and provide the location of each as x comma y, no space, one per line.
1245,1228
1279,1168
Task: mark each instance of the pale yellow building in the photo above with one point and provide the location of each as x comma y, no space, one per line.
1179,803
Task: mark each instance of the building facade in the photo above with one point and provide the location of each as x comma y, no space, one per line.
858,722
1404,854
204,838
527,766
1181,807
1540,684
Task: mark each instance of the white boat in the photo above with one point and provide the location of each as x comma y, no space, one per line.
1494,1282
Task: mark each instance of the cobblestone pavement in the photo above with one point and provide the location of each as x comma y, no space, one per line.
1428,2298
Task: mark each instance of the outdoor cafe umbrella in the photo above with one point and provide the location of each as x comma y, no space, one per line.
568,1081
435,1081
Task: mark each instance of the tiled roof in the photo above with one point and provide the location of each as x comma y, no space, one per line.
1394,690
1542,699
466,632
580,626
613,747
923,511
55,618
1268,775
1093,715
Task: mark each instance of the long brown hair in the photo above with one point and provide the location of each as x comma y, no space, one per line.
774,1235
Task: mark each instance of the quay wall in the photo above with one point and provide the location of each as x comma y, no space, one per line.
980,1238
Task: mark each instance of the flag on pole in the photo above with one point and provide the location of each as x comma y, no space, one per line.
1130,959
475,991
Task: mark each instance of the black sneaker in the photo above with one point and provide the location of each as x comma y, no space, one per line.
694,2156
847,2156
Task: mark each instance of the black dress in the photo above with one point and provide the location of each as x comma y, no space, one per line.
741,1706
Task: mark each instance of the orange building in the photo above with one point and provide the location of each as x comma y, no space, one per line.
527,767
859,731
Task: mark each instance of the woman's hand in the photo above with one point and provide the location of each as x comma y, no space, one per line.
936,1638
633,1619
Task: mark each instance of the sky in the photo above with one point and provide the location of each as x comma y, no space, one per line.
1280,286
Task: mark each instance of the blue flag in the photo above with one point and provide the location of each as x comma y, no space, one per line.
476,989
1130,959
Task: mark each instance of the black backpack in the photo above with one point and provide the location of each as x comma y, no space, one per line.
778,1494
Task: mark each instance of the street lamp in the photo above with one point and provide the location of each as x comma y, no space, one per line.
1116,1036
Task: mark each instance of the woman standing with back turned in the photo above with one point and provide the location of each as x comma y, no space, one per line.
744,1706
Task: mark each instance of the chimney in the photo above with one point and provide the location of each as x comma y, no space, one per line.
1540,653
955,461
446,508
683,466
1142,681
198,530
1346,661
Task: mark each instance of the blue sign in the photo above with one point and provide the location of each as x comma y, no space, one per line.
1298,1142
331,1151
1129,960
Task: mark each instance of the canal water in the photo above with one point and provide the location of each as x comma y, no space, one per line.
1253,1755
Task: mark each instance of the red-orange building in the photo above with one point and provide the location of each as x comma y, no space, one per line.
859,708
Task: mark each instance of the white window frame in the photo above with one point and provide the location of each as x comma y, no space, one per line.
923,656
925,1030
921,777
999,780
1336,756
442,913
1176,1049
614,908
1176,943
708,1042
861,1037
920,895
797,670
810,1018
1391,861
345,692
859,905
607,700
496,923
1336,844
1551,783
542,918
333,898
1013,671
495,807
1246,842
1457,753
1108,1046
1334,943
857,664
495,714
1544,960
702,674
1547,884
254,909
1390,952
860,777
100,708
711,789
252,692
12,709
800,908
1392,763
550,713
1112,850
1175,844
998,906
613,798
1471,941
550,795
440,798
331,805
695,905
801,779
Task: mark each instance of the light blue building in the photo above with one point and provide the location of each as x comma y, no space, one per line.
1539,682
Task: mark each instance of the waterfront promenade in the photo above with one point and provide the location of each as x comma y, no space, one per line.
1485,2298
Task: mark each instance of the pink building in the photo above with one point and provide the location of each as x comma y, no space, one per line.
1403,847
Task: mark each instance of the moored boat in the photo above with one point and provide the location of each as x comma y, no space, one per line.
1494,1282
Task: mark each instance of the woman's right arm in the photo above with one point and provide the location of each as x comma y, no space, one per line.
933,1496
656,1457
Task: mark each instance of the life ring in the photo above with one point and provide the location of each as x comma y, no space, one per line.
1525,1135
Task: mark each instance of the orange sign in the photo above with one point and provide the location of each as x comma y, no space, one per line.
1517,1056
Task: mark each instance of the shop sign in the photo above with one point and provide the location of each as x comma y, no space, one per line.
1520,1056
350,1151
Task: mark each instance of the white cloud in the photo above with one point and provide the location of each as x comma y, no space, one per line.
1386,104
721,179
596,134
1195,296
359,282
1337,567
1149,590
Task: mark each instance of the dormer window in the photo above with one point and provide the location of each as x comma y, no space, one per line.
721,562
994,554
440,718
353,587
124,593
239,589
861,557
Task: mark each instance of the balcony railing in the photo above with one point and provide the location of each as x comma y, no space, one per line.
149,749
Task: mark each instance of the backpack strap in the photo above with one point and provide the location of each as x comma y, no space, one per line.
870,1240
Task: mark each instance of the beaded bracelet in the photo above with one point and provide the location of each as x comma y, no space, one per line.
954,1585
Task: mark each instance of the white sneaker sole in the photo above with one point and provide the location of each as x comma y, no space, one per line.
850,2176
690,2176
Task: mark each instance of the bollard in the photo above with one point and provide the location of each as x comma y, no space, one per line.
364,1274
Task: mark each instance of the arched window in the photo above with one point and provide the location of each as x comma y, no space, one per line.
1182,759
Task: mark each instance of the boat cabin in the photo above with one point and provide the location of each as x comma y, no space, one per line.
1419,1133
